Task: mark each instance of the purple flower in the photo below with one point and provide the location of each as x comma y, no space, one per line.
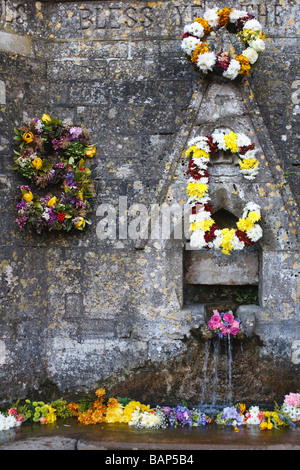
75,132
21,221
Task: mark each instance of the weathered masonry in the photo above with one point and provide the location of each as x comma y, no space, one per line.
81,311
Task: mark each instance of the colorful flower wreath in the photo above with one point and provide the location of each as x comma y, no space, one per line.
51,152
225,63
205,232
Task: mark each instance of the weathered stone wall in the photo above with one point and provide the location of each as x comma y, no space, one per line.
78,312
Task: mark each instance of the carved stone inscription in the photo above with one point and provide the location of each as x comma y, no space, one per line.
157,18
116,19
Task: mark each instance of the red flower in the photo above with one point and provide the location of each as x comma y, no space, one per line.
213,147
61,216
242,236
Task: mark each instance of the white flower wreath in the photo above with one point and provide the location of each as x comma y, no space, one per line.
225,63
205,232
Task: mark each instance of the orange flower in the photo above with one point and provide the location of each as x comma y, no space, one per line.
200,49
204,24
100,392
245,65
224,16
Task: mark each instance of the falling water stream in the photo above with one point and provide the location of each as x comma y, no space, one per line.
215,346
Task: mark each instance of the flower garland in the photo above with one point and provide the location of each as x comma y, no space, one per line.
225,63
224,324
52,151
205,232
138,415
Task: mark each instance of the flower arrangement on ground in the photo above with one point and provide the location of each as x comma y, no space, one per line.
227,64
291,406
182,416
152,419
224,324
205,232
232,415
53,152
138,415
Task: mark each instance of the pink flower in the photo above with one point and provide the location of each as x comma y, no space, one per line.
20,418
43,420
12,411
214,325
234,330
261,416
292,399
224,330
215,321
228,317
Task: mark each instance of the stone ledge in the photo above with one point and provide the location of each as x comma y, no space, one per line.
15,44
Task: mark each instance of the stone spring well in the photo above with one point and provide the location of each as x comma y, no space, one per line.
78,312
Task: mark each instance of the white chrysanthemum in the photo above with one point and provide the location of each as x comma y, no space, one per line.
135,417
236,243
218,137
253,420
195,28
200,142
242,140
203,200
250,174
249,154
206,61
236,14
250,207
255,233
188,45
200,181
202,214
39,126
253,25
232,70
257,44
292,411
211,16
217,242
201,162
197,239
7,422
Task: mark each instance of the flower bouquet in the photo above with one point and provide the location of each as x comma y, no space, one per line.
224,324
182,416
232,416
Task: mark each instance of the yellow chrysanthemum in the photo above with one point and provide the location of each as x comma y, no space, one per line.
230,141
51,416
202,225
226,242
130,407
254,216
196,189
115,411
245,224
197,153
248,163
